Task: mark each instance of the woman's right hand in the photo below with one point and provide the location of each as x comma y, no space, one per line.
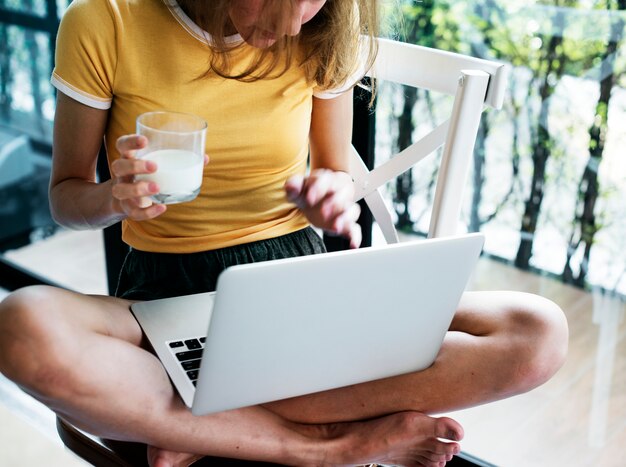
133,196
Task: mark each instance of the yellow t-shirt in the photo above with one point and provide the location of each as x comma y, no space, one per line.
135,56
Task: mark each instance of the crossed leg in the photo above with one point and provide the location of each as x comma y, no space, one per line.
499,344
82,356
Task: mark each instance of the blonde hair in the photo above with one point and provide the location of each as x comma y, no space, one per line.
328,47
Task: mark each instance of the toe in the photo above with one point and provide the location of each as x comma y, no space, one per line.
423,461
446,428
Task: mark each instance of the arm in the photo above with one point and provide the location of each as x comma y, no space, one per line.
76,200
331,132
326,195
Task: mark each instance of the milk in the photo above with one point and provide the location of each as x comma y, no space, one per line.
178,174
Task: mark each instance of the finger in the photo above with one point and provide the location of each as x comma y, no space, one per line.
337,202
206,159
318,187
142,214
293,187
128,166
127,143
143,202
342,223
346,226
355,236
340,194
125,191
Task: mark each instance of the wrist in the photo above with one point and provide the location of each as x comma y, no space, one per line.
345,172
115,205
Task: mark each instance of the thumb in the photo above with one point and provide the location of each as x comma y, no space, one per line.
293,186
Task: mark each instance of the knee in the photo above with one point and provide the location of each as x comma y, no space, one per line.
30,332
539,335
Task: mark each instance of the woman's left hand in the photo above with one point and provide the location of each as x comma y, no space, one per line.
326,197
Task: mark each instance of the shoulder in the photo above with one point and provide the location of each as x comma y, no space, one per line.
93,13
87,36
87,26
88,21
88,9
87,17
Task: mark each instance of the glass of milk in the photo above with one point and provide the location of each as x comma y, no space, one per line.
176,142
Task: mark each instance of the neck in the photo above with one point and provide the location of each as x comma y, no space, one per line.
191,10
185,5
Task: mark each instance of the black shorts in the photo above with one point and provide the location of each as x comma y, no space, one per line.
148,276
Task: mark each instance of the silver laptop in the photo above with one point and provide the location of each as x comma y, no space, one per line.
295,326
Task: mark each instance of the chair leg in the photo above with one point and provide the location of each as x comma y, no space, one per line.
96,452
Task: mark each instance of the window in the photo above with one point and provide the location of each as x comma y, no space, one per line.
547,188
548,179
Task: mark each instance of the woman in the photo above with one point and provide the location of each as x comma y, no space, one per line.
273,79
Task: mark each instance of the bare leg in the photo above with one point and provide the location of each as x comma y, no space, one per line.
81,356
499,344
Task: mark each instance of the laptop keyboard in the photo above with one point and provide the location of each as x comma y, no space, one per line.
188,352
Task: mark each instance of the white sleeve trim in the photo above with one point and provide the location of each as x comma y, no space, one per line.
78,95
333,93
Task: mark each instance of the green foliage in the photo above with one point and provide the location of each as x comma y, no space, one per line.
556,49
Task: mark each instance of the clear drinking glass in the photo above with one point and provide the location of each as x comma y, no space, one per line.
176,142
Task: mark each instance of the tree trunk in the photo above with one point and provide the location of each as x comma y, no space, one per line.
478,174
5,72
541,147
420,31
585,222
404,183
486,11
35,77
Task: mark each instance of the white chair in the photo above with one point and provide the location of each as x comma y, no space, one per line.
474,83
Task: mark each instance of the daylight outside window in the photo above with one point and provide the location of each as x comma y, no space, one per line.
548,182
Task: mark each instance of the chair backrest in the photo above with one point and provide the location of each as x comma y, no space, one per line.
474,83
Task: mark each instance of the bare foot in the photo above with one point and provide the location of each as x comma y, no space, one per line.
405,438
162,458
410,439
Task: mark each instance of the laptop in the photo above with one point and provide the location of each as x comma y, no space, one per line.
296,326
